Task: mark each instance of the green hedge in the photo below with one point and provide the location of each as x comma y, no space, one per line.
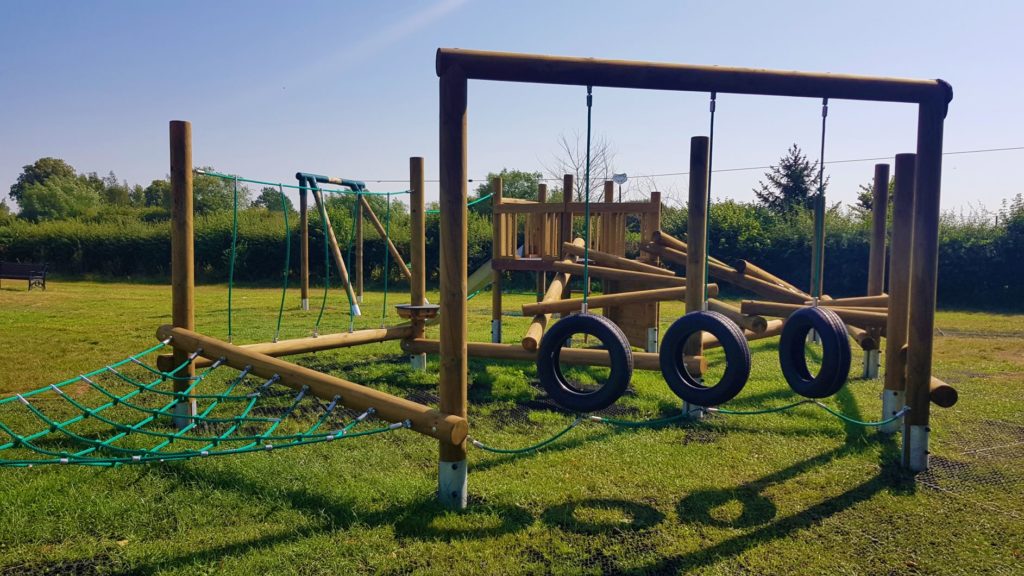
977,259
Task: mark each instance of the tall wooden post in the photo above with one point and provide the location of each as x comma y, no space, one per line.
182,256
696,236
893,394
357,274
924,269
542,198
565,228
876,257
650,222
454,376
304,245
417,251
498,250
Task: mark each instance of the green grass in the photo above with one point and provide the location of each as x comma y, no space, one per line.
791,493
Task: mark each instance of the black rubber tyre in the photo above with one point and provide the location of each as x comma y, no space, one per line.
737,358
559,388
835,350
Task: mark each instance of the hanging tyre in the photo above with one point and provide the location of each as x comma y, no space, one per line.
737,358
576,396
835,352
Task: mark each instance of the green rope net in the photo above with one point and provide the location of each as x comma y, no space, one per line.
125,413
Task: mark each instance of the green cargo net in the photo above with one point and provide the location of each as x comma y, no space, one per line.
126,413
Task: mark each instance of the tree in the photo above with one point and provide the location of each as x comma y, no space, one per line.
514,184
270,198
114,192
791,185
57,198
866,195
39,172
157,194
215,194
572,159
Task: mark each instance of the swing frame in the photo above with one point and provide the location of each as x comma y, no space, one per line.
914,310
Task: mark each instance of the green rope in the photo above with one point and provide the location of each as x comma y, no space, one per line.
476,201
234,245
387,262
327,261
294,187
707,204
527,449
351,242
287,261
819,212
631,424
586,210
116,455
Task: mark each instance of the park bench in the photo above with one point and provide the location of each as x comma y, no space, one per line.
34,273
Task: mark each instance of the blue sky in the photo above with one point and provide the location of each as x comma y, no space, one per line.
349,89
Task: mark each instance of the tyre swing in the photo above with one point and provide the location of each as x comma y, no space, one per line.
575,396
827,326
689,388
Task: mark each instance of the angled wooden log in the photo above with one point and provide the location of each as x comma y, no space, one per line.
617,274
620,298
613,261
755,324
559,282
448,428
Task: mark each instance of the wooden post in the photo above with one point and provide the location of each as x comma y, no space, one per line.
498,250
894,393
565,226
182,256
454,367
346,281
304,246
542,197
696,234
447,428
876,256
417,250
383,233
924,267
357,274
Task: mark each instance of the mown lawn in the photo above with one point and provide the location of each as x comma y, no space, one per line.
792,493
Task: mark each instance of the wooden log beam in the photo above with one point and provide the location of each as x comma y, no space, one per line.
753,323
748,268
395,254
545,69
859,318
613,261
447,428
616,274
774,329
667,240
294,346
728,274
605,300
554,292
879,301
942,394
577,356
864,339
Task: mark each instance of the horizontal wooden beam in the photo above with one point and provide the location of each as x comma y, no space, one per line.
617,274
165,362
445,427
617,299
578,356
578,208
756,324
864,339
850,316
942,394
613,261
880,301
542,69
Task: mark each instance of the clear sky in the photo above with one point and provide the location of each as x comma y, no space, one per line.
349,88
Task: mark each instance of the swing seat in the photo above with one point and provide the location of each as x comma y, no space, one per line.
413,312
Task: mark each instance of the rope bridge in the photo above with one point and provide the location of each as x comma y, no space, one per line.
133,422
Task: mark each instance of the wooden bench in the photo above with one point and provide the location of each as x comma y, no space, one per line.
34,273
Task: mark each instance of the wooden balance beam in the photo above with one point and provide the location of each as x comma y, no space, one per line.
613,261
618,299
166,363
860,318
755,324
617,274
445,427
578,356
